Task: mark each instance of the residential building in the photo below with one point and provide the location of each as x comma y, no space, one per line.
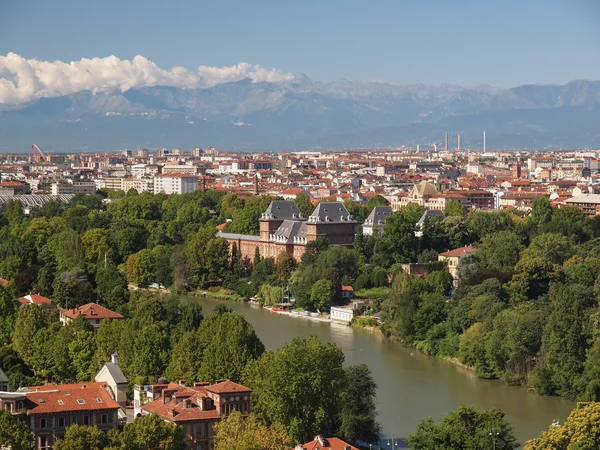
113,377
175,183
11,188
321,443
35,299
196,408
453,257
284,228
74,187
375,223
588,203
345,314
94,313
48,410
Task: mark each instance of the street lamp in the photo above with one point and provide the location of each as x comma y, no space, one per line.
494,433
392,443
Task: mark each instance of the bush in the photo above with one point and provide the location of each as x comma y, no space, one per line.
362,322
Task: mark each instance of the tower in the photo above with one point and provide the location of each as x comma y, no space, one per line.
256,184
484,142
517,168
459,143
446,147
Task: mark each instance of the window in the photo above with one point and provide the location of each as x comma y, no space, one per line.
104,418
44,443
42,423
81,401
73,420
97,321
61,422
86,420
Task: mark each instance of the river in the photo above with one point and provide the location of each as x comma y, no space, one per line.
411,386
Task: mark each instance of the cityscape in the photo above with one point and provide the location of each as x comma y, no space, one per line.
267,225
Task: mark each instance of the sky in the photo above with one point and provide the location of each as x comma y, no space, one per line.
504,43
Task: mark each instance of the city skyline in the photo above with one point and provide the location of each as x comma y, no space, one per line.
465,43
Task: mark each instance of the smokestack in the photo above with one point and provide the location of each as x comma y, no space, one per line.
484,142
446,147
417,148
459,143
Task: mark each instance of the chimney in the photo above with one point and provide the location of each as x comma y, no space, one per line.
181,382
114,358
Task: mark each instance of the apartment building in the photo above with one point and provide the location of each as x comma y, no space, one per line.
175,183
74,188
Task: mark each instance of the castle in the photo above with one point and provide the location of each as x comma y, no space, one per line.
284,228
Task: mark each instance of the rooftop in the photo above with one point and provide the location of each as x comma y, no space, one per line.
91,311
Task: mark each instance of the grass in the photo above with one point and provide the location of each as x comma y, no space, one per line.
378,293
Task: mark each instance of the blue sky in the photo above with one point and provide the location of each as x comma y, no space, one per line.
503,43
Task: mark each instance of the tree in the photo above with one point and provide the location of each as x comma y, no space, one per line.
14,433
151,351
71,288
83,438
321,294
30,320
541,211
455,209
96,246
285,265
81,351
465,429
304,204
111,287
500,251
234,432
140,268
299,385
229,343
580,431
358,415
151,432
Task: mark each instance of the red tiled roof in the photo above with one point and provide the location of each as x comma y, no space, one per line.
458,252
36,299
91,311
78,397
3,282
330,444
347,288
227,387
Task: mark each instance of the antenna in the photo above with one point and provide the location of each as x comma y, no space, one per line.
458,142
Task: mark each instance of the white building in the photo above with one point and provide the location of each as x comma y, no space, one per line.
345,314
111,374
175,183
74,188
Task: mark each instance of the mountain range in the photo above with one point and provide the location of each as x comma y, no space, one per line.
302,113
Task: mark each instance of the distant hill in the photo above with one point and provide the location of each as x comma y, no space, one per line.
304,113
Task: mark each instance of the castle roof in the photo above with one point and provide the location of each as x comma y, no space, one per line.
282,210
331,212
378,216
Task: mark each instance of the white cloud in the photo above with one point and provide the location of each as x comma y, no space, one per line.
23,80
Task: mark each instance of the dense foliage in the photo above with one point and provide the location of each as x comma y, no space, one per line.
580,431
146,433
236,432
465,429
305,386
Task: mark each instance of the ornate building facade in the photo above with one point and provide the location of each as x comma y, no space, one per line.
284,228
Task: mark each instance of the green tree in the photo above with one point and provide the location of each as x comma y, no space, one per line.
455,209
151,432
322,294
299,385
14,433
111,287
71,288
236,432
304,204
96,246
81,351
140,268
358,414
151,351
229,343
499,251
83,438
285,265
30,320
541,211
467,429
